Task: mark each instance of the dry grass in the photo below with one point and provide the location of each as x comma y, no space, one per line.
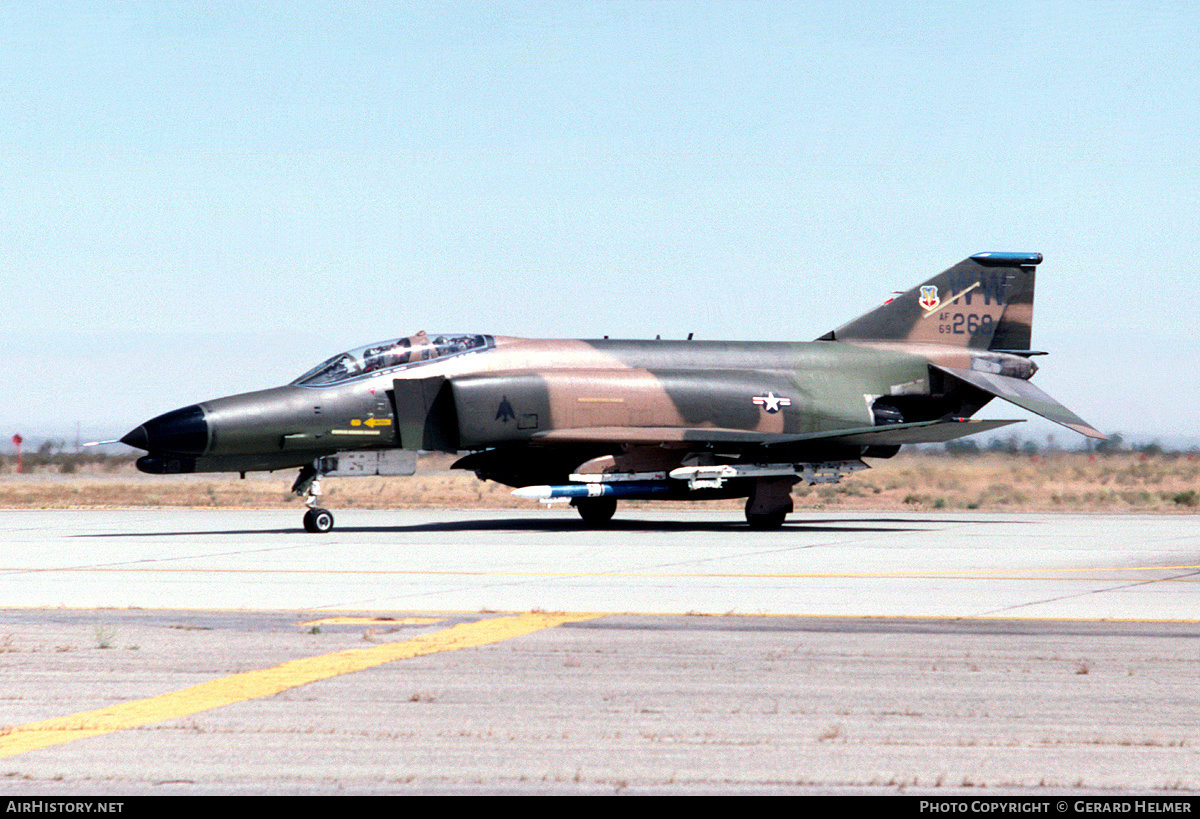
1067,481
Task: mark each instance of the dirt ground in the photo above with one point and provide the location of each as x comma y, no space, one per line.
1066,481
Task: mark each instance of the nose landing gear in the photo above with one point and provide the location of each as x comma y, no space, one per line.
317,520
308,486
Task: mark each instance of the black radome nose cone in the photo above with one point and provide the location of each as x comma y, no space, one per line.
138,439
183,431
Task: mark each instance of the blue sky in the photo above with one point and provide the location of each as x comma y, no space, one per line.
206,198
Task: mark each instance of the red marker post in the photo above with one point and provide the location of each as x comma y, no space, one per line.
17,439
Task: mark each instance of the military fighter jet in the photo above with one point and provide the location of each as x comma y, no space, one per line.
600,420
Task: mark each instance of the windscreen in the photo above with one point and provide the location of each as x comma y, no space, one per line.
398,354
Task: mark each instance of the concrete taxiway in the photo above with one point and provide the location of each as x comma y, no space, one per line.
669,561
218,651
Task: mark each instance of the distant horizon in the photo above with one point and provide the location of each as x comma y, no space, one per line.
207,199
1062,443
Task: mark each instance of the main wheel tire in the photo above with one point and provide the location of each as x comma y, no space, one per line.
596,511
766,522
318,521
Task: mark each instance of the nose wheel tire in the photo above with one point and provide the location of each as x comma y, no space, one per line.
318,521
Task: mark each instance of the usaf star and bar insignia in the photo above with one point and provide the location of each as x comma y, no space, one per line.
771,402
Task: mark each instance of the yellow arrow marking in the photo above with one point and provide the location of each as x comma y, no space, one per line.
269,681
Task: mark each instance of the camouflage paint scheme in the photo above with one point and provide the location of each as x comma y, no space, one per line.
654,419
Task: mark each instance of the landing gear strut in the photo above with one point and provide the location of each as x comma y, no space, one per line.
308,486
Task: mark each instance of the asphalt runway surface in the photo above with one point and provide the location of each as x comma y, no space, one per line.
501,651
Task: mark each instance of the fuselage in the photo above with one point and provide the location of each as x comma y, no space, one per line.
598,420
513,391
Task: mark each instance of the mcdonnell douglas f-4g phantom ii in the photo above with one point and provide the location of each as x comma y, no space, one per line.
595,421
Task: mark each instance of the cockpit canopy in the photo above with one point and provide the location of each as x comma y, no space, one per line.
401,353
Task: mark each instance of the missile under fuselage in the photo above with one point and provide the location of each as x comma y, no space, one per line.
624,489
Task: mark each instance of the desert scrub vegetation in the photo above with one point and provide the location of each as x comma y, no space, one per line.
1007,481
49,459
918,480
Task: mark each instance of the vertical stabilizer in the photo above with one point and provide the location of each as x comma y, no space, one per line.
984,303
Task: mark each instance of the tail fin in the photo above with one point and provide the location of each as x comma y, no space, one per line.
984,303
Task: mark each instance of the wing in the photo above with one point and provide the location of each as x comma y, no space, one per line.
918,432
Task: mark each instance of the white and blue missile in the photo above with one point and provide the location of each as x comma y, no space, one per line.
623,489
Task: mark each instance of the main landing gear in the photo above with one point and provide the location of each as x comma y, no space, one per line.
595,511
308,486
770,502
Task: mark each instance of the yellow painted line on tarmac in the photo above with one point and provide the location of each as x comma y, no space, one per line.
269,681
